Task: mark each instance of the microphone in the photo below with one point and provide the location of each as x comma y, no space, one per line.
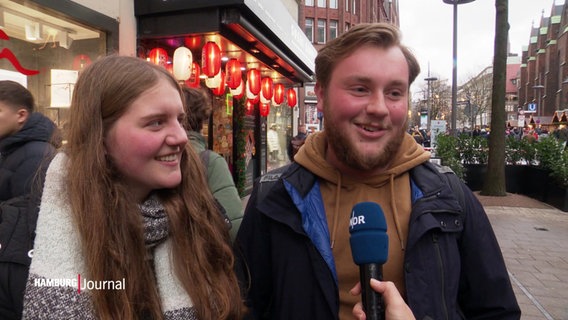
370,248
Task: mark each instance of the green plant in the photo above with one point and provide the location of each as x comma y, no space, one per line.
560,169
513,154
447,151
473,150
548,151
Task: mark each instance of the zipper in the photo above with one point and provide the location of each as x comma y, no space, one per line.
441,265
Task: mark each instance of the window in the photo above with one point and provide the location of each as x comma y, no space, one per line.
309,29
321,3
346,5
321,31
354,11
333,4
332,29
310,3
346,27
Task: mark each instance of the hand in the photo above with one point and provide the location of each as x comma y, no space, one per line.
395,307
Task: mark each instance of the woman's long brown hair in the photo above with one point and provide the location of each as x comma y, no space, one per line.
109,220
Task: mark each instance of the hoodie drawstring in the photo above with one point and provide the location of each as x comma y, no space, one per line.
395,212
336,213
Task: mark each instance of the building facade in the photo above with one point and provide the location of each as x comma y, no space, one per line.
46,45
543,77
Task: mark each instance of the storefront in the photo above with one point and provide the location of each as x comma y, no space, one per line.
45,47
251,55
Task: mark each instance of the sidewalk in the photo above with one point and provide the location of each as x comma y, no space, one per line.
534,241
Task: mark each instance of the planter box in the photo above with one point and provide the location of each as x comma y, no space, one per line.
474,175
514,177
558,197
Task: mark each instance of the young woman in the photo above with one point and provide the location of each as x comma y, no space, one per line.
127,227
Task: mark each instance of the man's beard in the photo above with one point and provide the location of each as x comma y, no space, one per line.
347,153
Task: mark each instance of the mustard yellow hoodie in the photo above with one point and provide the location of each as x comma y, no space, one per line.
390,189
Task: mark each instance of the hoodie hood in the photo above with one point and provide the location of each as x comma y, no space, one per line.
37,128
389,188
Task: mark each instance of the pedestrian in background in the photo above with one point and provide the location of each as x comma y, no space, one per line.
126,206
294,255
297,141
26,147
219,177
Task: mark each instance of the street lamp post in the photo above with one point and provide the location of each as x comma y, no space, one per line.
428,95
455,3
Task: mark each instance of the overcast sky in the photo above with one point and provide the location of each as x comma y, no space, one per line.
427,28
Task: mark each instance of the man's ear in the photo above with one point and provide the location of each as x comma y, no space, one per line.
23,115
320,94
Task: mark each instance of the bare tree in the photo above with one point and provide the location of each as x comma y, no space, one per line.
478,91
494,182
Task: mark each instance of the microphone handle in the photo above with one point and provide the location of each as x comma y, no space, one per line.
373,303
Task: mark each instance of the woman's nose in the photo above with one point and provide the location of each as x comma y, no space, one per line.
177,135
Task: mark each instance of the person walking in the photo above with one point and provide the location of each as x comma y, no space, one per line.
219,177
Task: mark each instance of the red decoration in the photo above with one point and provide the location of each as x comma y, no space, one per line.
194,80
253,80
239,92
266,84
192,42
278,96
81,61
264,109
249,107
210,59
291,97
256,99
158,56
220,90
233,73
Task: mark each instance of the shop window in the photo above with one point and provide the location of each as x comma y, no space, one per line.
321,31
222,132
49,53
309,29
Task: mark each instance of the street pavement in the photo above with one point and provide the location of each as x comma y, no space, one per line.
534,242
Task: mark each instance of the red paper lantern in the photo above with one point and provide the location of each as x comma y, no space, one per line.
291,97
158,56
256,99
220,90
233,73
193,42
264,109
253,80
249,107
194,80
239,92
278,96
266,84
210,59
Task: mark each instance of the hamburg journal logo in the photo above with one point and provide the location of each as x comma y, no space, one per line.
81,283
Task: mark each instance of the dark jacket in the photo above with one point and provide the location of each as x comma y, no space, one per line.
24,158
453,265
22,153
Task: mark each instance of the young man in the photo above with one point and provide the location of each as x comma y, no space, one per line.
25,151
293,245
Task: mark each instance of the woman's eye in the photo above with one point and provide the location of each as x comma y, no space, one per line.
155,123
